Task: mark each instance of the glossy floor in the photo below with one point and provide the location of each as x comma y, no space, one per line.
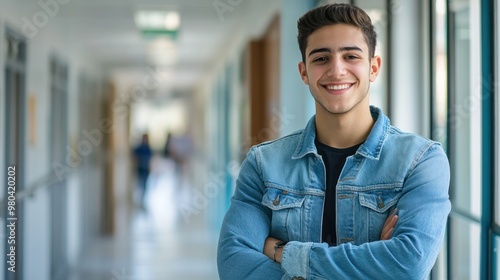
155,242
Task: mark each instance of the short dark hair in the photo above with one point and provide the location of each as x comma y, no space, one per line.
333,14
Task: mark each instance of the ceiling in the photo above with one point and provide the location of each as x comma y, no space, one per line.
104,30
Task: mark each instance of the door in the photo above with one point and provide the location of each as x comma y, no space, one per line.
15,76
58,143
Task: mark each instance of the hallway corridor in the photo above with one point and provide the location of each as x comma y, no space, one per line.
154,241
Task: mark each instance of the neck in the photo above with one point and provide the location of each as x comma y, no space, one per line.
344,130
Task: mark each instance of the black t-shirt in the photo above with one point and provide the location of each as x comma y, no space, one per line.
334,160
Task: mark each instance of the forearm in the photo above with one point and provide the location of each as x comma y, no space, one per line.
241,244
376,260
248,265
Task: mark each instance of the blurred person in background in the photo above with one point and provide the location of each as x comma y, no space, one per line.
179,149
143,155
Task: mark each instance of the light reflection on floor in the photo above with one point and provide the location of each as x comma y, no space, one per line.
155,242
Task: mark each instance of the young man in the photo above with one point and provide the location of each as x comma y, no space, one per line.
320,203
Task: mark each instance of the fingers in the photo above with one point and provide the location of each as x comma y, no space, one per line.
269,246
388,228
387,235
389,219
395,211
389,225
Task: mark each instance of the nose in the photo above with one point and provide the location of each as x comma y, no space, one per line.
337,67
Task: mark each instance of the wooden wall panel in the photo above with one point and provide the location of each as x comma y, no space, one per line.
264,63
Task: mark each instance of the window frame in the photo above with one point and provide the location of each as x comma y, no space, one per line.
496,97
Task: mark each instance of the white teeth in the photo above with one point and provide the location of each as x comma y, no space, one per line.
338,87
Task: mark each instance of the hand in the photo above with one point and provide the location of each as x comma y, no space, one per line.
269,249
389,225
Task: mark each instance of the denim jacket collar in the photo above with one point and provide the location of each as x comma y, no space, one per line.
371,148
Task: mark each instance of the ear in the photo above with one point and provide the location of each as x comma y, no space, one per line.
376,62
303,72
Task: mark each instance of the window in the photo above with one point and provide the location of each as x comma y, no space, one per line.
464,142
465,245
439,99
440,86
465,106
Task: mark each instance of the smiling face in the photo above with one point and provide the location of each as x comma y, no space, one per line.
338,68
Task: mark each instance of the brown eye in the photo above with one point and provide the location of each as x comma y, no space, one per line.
320,59
351,57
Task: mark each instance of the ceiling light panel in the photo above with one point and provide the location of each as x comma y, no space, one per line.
158,22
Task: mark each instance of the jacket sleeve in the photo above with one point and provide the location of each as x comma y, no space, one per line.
413,248
245,229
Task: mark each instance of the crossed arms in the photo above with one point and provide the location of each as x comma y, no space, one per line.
408,246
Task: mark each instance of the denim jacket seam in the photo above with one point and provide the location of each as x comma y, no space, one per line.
419,156
292,190
383,138
300,142
293,134
256,152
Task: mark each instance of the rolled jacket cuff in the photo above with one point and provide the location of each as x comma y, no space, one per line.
295,258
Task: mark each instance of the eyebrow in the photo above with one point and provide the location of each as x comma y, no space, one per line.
341,49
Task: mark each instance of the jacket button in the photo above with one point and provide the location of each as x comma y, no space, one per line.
380,202
276,201
298,278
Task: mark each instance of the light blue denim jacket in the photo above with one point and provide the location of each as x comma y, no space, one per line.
280,192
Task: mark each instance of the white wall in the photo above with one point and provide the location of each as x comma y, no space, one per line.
297,104
36,219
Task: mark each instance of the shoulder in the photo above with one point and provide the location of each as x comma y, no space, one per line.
402,136
277,151
411,143
286,143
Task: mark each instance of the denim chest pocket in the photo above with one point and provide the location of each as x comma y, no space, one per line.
376,206
286,212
